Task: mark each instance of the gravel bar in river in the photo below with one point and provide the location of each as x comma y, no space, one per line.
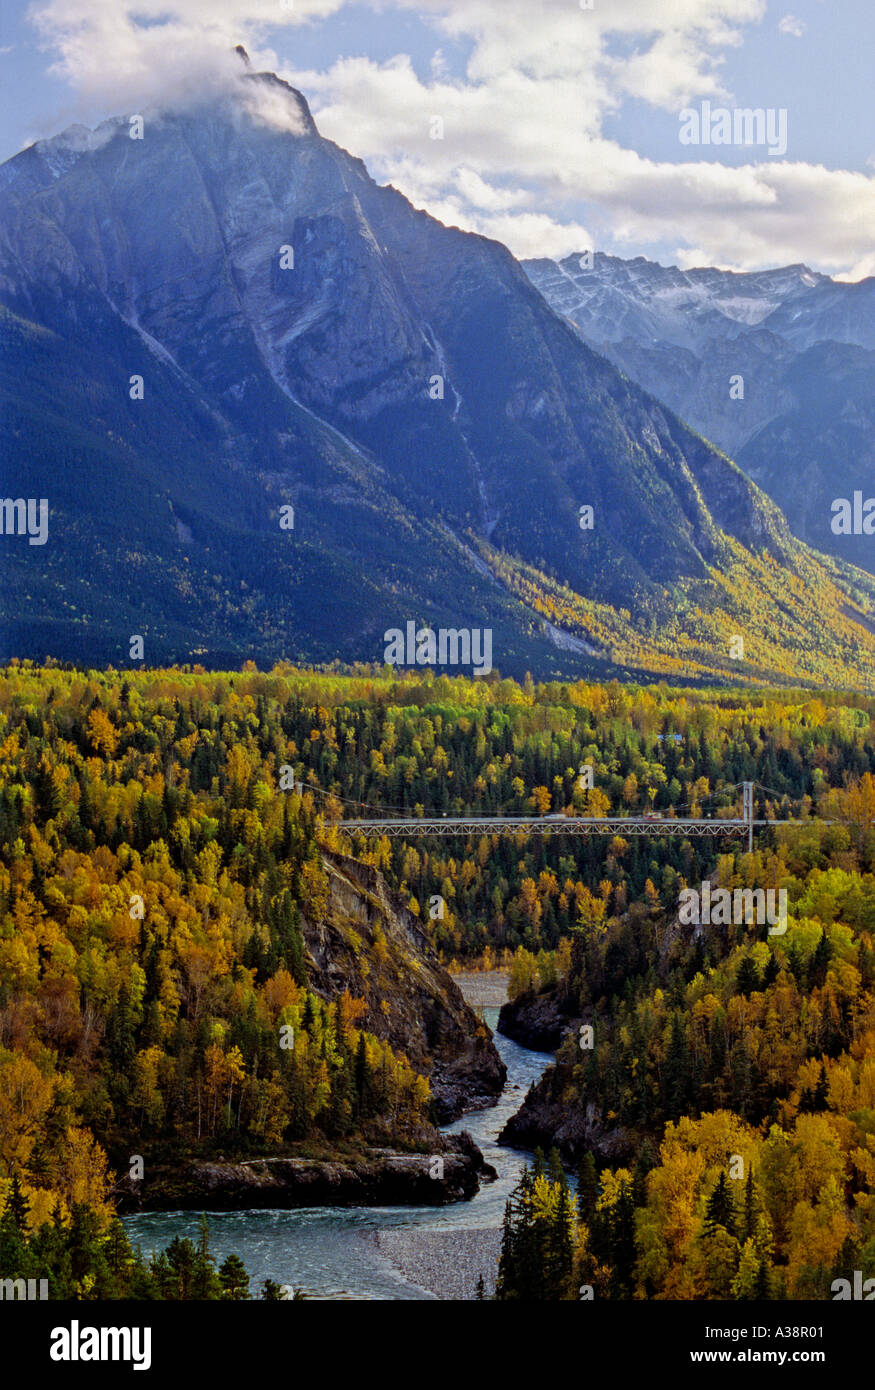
486,989
446,1262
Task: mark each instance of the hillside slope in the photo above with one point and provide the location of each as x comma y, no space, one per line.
307,339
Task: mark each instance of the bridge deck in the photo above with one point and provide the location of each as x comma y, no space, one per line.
561,825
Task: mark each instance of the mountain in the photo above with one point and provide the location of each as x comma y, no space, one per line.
803,344
307,339
612,300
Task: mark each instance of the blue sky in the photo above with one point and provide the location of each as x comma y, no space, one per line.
560,125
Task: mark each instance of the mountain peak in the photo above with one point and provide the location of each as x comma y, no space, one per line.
282,105
304,337
291,101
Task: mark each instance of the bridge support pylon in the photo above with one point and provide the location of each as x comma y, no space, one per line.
747,812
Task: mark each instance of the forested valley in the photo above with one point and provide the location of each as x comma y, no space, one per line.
165,833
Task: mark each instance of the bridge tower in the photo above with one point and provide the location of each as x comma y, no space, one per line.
747,812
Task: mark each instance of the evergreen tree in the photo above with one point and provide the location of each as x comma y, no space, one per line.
272,1292
720,1208
619,1240
751,1210
360,1074
819,963
520,1269
763,1284
559,1243
748,977
234,1279
771,972
587,1187
645,1162
677,1070
14,1255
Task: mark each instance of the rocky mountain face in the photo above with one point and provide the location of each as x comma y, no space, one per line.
276,411
612,300
371,944
801,345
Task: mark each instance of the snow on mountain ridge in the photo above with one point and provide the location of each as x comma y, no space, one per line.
610,299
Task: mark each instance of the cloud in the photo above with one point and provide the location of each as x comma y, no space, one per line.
793,26
126,58
123,53
707,212
524,156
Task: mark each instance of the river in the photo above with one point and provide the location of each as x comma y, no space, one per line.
332,1252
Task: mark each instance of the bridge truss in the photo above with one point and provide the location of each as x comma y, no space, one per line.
649,827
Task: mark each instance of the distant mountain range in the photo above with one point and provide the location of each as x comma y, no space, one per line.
803,345
229,317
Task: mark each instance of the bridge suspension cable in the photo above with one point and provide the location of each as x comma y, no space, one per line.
652,825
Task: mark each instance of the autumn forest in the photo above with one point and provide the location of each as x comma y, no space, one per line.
168,839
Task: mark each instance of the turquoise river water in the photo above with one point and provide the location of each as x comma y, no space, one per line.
329,1252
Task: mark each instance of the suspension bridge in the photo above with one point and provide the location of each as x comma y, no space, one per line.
651,825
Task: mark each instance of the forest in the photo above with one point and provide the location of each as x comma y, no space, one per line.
722,1123
162,834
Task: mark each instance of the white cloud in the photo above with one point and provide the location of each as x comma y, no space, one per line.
524,156
792,26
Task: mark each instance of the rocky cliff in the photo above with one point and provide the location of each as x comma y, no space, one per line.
551,1115
370,943
534,1020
